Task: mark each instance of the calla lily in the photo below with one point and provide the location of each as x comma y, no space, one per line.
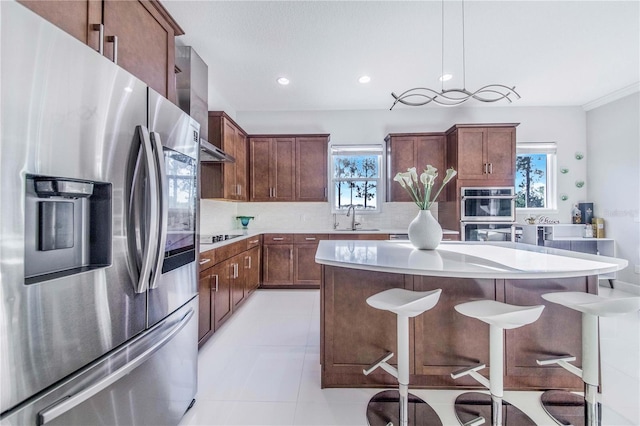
421,194
450,174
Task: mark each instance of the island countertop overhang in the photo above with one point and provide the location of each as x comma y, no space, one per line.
465,260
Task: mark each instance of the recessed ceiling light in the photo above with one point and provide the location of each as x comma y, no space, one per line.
446,77
364,79
283,81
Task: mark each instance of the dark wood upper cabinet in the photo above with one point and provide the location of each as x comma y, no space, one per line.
272,168
144,29
226,180
412,150
311,168
483,152
288,167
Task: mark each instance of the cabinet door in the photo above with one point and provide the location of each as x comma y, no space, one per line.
259,154
229,143
501,152
278,264
252,269
311,169
413,151
221,291
146,45
204,304
306,270
237,279
282,170
471,158
242,192
73,16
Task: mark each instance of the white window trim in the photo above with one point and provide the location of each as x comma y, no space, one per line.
377,149
551,150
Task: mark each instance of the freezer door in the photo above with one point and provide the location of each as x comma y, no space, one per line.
66,112
150,381
177,138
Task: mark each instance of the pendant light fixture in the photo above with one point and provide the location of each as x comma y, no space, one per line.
452,97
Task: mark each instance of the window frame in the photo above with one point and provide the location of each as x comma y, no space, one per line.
550,149
369,149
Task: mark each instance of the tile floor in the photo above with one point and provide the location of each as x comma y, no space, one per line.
262,368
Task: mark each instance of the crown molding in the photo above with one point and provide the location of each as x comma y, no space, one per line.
614,96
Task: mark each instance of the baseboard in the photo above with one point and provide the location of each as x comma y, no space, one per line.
618,285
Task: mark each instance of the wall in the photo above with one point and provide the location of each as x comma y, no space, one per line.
613,159
564,125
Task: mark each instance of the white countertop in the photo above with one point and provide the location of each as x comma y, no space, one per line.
465,260
247,233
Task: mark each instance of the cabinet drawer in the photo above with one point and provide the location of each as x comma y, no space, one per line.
346,236
254,241
278,238
206,259
309,238
230,250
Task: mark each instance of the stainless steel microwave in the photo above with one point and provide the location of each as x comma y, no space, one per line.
488,204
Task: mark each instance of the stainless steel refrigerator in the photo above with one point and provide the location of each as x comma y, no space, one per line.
98,290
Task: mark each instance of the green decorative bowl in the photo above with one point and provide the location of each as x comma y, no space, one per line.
244,220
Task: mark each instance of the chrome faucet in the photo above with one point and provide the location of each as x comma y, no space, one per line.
351,208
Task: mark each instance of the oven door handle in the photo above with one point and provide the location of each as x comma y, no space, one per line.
163,207
489,197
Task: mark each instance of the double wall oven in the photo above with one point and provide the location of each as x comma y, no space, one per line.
487,213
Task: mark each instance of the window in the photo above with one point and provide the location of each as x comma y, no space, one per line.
536,175
356,177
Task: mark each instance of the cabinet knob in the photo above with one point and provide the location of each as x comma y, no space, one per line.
203,261
278,238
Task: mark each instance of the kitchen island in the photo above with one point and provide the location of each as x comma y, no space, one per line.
353,335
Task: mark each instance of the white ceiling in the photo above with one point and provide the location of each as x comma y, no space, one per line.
556,53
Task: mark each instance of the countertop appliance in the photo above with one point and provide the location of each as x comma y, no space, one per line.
487,214
98,323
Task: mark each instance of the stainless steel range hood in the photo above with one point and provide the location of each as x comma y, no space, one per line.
192,87
210,153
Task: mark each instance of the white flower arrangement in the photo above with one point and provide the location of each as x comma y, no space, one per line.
421,194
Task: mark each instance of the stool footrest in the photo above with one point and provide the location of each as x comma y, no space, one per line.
550,361
564,363
475,422
382,362
467,370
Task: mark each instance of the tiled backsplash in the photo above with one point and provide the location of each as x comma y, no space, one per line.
219,216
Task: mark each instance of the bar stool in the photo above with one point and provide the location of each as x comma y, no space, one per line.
473,408
566,407
392,407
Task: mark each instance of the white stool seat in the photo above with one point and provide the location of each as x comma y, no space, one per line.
405,302
500,314
593,304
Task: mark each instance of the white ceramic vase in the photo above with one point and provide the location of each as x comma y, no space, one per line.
425,233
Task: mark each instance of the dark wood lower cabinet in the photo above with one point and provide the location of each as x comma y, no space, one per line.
204,304
354,335
221,293
278,264
252,269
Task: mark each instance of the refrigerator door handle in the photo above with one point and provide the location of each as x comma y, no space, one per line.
68,403
149,247
164,208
